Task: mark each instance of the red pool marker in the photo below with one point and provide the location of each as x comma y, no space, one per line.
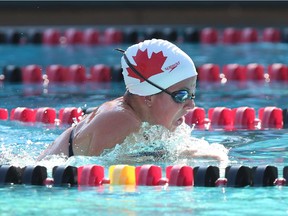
22,114
77,73
32,74
45,115
255,72
90,175
91,36
51,37
249,35
180,175
57,73
235,72
244,118
209,36
3,114
149,175
271,35
209,73
113,36
100,73
73,36
221,117
196,116
271,117
70,115
278,72
231,35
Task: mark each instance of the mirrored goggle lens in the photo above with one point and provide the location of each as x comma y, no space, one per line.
181,96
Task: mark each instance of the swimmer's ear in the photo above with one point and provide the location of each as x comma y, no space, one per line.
148,100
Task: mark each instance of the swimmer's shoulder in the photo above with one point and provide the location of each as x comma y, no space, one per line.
114,113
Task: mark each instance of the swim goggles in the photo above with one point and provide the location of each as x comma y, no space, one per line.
180,96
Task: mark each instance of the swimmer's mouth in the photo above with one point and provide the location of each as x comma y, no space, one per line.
180,120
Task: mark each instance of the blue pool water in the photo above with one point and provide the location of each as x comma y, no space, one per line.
21,143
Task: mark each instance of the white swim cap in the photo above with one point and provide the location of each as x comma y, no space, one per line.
159,61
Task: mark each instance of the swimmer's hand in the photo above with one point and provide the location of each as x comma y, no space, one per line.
194,154
213,151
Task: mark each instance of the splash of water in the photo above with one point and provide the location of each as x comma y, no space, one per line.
152,144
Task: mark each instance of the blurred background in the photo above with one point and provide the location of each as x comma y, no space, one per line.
202,13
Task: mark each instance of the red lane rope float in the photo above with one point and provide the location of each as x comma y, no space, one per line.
255,72
271,35
57,73
197,117
45,115
76,73
145,175
4,114
271,116
91,36
235,72
245,118
231,35
74,36
209,73
32,74
180,175
112,35
221,117
22,114
149,175
70,115
100,73
216,118
51,36
249,35
278,72
209,36
91,175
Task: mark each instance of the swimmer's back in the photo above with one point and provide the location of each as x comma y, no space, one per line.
102,129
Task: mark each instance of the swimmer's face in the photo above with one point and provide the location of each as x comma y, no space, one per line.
168,113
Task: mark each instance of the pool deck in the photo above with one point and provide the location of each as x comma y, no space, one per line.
196,13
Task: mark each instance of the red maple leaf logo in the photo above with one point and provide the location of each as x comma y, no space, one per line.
147,66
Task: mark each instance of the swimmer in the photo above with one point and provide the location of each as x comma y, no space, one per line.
160,82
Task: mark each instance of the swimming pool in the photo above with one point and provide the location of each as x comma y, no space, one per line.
22,142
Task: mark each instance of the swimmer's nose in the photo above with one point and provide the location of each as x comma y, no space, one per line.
190,104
